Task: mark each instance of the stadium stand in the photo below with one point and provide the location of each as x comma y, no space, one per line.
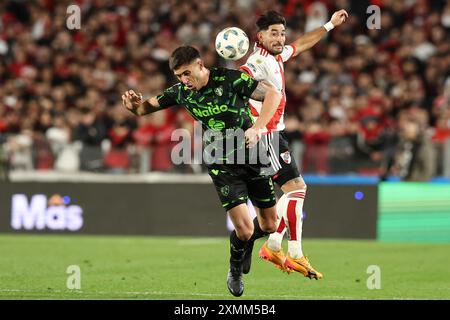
60,106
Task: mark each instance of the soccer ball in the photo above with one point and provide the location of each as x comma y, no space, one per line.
232,43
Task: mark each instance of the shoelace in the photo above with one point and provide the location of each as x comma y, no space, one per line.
307,262
304,262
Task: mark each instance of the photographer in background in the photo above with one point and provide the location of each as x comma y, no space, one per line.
412,157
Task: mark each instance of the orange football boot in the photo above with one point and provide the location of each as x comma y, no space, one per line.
302,266
276,257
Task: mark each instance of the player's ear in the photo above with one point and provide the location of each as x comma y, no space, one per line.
259,36
200,63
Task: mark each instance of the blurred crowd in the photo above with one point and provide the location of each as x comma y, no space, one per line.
368,101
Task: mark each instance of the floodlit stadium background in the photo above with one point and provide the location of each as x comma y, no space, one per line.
73,161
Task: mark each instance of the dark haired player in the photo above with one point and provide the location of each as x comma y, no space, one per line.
218,98
266,64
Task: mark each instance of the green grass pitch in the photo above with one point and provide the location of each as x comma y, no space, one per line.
35,267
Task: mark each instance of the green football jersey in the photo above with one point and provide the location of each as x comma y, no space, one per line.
221,105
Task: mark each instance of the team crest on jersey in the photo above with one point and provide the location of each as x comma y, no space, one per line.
219,91
286,156
225,190
258,61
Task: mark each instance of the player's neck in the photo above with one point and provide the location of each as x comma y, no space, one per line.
259,45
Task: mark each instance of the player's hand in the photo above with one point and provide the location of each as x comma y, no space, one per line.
132,101
339,17
252,136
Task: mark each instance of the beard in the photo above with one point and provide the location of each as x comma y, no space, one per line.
276,50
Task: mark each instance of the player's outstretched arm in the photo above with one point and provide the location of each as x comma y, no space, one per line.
309,39
134,103
271,98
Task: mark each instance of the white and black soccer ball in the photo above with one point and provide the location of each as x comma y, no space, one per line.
232,43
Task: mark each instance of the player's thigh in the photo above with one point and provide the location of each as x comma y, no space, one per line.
262,194
288,175
293,184
261,191
268,214
242,221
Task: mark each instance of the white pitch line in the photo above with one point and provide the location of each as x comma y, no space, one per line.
162,293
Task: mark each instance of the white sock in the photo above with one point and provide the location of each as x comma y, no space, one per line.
294,214
275,239
295,249
274,242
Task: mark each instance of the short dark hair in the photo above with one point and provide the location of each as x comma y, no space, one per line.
269,18
183,55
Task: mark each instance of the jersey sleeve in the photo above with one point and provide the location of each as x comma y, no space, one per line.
242,83
288,52
169,97
255,67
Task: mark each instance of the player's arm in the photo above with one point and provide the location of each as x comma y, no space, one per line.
309,39
271,98
245,86
134,102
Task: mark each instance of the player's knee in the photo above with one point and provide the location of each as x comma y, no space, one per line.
271,228
268,221
268,225
244,233
246,236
